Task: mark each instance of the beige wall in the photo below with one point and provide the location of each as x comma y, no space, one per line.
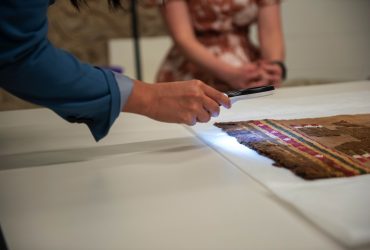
328,38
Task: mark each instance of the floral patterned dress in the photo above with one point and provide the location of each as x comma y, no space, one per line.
222,26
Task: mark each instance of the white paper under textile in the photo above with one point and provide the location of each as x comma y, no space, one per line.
339,206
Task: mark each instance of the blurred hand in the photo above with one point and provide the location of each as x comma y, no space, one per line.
184,102
271,73
248,76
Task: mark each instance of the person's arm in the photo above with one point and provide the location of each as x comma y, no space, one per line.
178,20
271,41
33,69
270,32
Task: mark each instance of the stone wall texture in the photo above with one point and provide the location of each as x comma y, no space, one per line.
85,33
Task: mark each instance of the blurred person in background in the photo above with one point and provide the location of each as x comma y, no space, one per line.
212,43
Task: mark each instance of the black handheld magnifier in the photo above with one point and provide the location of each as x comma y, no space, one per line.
237,95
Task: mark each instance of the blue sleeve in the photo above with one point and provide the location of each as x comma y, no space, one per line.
125,85
33,69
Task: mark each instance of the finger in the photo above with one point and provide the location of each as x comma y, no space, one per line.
193,121
251,66
217,96
274,79
269,64
263,63
269,78
277,84
203,115
258,84
254,76
189,120
272,69
211,106
274,83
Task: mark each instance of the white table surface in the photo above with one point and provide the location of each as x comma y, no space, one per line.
340,206
148,185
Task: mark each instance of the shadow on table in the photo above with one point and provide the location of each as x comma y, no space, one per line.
54,157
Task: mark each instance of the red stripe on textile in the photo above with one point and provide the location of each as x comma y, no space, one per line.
352,159
301,147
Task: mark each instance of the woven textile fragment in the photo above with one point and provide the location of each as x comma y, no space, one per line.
314,148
